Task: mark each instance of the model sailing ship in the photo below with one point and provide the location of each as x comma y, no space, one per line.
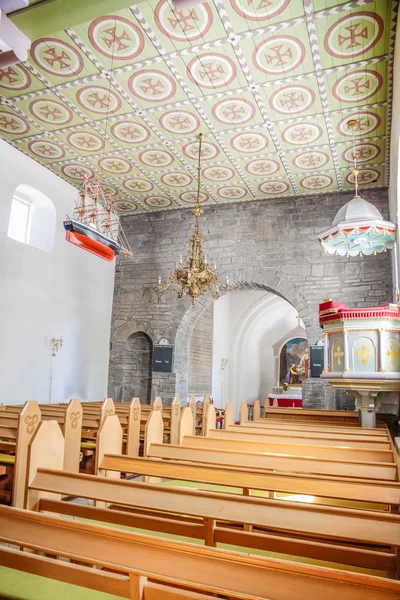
94,225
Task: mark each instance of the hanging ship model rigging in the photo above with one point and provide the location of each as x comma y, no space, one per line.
94,225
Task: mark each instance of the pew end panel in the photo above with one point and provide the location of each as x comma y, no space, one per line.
192,405
175,418
206,404
133,436
229,415
107,409
72,431
46,451
28,423
109,441
243,413
186,424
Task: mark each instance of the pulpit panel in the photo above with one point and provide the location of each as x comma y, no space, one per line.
337,355
392,355
364,355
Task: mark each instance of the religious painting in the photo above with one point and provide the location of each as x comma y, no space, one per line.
293,362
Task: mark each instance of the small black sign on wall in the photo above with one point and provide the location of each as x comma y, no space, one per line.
162,358
316,360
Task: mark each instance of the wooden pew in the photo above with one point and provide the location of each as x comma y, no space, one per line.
332,417
241,457
15,436
136,566
337,533
356,490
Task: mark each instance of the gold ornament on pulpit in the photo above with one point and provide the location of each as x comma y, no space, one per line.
192,274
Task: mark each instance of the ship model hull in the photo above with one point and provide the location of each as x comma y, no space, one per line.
89,239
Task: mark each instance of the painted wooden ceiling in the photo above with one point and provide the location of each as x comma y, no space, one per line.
271,84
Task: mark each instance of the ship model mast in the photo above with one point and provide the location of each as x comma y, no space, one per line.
94,225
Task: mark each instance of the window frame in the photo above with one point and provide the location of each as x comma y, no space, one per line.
18,198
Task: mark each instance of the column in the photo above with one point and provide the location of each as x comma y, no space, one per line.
381,365
326,352
346,351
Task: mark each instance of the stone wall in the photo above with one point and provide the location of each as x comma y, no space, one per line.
133,368
200,355
267,245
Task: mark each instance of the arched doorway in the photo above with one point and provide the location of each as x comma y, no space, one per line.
242,279
137,373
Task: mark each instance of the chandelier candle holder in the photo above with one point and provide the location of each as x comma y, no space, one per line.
193,274
57,344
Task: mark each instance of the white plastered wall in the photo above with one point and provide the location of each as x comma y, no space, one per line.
66,293
246,326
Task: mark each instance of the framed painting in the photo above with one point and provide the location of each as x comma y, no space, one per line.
293,362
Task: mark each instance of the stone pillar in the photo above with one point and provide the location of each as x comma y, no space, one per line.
326,352
366,405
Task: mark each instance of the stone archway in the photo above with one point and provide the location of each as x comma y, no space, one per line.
132,372
186,315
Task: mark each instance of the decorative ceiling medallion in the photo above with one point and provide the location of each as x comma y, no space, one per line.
185,25
116,38
274,187
262,166
86,141
354,35
156,158
311,160
46,149
261,10
110,189
14,124
15,78
357,86
278,54
56,57
233,111
77,171
152,85
158,201
138,184
292,99
316,182
98,99
176,179
209,151
365,123
301,134
211,70
179,121
51,112
190,197
125,206
249,142
218,173
362,152
130,132
232,192
115,165
364,176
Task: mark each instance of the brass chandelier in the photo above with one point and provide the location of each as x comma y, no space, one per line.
192,274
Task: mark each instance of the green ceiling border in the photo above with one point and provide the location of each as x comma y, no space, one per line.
48,18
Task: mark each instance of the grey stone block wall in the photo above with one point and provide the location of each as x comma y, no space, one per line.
200,355
267,245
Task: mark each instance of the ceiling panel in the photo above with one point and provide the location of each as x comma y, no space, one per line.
271,84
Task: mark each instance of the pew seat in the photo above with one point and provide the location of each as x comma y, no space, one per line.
7,459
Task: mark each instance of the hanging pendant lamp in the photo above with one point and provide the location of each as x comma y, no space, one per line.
358,228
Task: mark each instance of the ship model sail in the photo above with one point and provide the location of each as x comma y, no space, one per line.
94,224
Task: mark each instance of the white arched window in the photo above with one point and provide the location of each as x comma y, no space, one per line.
32,218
